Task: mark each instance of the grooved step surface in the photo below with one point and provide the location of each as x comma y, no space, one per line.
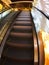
20,40
21,30
23,27
21,45
24,16
23,22
18,53
21,34
11,62
26,19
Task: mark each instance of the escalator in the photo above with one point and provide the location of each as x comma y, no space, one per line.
19,46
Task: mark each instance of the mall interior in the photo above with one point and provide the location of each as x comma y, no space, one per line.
24,32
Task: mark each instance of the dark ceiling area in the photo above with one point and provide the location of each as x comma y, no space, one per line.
21,5
20,0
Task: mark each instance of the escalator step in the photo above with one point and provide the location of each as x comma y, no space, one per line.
21,30
20,40
25,18
15,34
19,45
22,22
11,62
17,53
22,27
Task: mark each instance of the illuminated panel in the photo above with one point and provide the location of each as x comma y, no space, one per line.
45,40
1,7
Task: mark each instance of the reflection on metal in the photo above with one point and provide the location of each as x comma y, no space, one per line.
35,50
36,47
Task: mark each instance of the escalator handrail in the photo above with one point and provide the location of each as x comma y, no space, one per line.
36,37
37,42
42,12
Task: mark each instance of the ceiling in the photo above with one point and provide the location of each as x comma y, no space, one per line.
10,1
13,3
20,0
7,2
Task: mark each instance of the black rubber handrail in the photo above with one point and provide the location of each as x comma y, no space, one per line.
36,36
42,12
36,32
37,41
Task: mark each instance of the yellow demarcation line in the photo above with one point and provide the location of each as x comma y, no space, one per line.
3,31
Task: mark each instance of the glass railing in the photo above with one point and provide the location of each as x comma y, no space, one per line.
4,13
41,21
